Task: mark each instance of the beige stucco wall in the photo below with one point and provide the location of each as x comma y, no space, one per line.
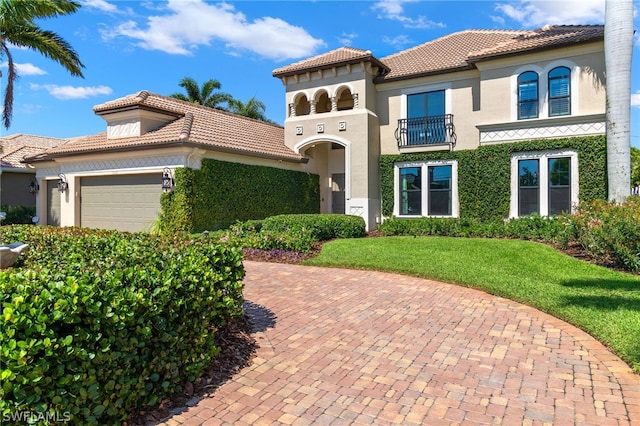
124,163
488,96
499,82
461,91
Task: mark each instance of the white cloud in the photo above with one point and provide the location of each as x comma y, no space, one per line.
25,69
635,99
70,92
537,13
188,24
347,39
394,10
29,69
398,42
101,5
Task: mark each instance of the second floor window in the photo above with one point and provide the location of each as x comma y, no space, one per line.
426,118
528,95
559,91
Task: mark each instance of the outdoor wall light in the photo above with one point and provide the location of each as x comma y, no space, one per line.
34,187
167,180
62,182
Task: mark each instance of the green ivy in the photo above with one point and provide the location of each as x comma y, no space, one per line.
222,193
484,174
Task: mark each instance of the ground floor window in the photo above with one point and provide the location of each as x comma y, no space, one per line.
426,189
543,183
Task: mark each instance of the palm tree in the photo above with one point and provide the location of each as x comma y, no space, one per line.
618,48
254,108
18,29
203,95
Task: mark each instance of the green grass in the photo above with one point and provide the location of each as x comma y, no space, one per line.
603,302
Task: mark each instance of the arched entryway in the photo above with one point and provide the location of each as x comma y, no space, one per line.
329,157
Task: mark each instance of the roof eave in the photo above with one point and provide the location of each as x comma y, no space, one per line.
167,144
373,60
385,79
533,49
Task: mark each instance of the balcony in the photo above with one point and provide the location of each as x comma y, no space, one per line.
425,131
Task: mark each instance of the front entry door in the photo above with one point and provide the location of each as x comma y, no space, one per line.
337,193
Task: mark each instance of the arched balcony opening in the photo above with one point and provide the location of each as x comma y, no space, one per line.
323,102
345,99
301,106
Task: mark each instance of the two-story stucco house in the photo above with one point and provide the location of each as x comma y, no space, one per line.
348,109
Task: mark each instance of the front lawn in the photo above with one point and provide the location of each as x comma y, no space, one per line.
603,302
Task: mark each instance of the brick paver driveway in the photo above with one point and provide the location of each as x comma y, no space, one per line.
353,347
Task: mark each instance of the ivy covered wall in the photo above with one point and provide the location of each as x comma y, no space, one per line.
221,193
484,174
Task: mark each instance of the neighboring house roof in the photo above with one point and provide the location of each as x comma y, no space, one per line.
12,159
14,148
453,52
194,125
341,56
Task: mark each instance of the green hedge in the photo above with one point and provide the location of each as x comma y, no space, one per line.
88,333
322,226
222,193
484,174
18,215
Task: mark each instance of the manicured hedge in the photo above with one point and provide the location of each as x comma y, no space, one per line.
96,323
322,226
222,193
484,174
17,215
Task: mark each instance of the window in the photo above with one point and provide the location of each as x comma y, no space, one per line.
543,183
426,118
527,95
528,187
427,189
559,91
559,185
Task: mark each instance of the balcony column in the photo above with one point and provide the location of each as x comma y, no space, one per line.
334,104
312,105
292,110
356,103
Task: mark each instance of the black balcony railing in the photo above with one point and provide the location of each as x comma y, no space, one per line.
437,129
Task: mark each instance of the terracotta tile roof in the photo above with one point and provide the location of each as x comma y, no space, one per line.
341,56
194,125
542,38
13,157
460,50
21,139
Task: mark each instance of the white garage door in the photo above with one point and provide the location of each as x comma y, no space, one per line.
126,203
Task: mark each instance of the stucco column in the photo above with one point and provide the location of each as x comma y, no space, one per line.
292,110
356,103
312,105
334,104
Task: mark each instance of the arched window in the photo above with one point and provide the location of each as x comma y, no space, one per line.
345,100
528,95
559,91
323,103
302,106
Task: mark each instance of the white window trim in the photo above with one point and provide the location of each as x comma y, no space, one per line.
423,89
424,165
543,89
543,157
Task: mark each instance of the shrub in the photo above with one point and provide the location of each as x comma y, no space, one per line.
89,332
322,226
18,215
610,232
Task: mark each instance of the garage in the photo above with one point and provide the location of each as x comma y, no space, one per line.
123,202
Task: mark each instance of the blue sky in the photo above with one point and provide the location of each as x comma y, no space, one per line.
128,46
